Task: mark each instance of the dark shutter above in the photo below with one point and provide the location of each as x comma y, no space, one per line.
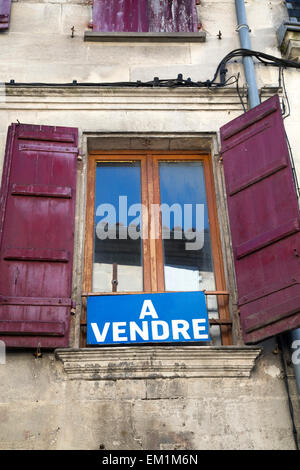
37,235
145,16
172,16
120,16
5,6
264,221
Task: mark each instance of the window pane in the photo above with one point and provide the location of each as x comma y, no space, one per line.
188,262
117,232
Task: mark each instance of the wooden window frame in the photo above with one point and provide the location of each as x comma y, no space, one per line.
153,263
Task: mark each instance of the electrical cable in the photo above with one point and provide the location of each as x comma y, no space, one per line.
295,177
285,94
238,92
281,80
266,59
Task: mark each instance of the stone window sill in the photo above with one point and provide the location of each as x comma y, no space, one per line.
96,36
114,363
289,40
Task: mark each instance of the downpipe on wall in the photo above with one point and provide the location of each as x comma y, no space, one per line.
243,30
249,69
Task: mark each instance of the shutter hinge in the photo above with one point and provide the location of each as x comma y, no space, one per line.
296,253
73,308
114,280
38,353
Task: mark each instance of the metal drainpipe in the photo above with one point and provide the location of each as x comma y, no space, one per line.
254,100
249,70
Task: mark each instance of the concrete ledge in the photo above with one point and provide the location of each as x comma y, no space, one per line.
97,98
96,36
114,363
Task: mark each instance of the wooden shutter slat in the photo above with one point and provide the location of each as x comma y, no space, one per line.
45,148
271,287
272,315
249,133
32,328
267,238
30,254
44,190
36,301
45,133
37,235
247,180
244,121
264,221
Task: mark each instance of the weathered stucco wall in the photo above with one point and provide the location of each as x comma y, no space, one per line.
40,407
39,48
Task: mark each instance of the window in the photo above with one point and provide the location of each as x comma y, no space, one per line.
158,16
152,227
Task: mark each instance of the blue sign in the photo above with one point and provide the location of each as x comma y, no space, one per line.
147,318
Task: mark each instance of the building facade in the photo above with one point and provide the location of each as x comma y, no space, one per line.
90,123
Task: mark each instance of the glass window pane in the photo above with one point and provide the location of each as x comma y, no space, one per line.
117,229
188,262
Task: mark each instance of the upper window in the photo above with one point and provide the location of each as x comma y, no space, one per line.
157,16
293,7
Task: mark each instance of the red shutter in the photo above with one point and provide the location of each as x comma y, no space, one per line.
145,15
120,16
5,6
37,235
264,220
173,16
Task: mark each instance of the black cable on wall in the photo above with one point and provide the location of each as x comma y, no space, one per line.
221,70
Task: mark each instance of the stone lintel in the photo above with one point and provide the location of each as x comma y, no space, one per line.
152,362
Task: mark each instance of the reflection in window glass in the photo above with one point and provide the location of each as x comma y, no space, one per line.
188,263
117,260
